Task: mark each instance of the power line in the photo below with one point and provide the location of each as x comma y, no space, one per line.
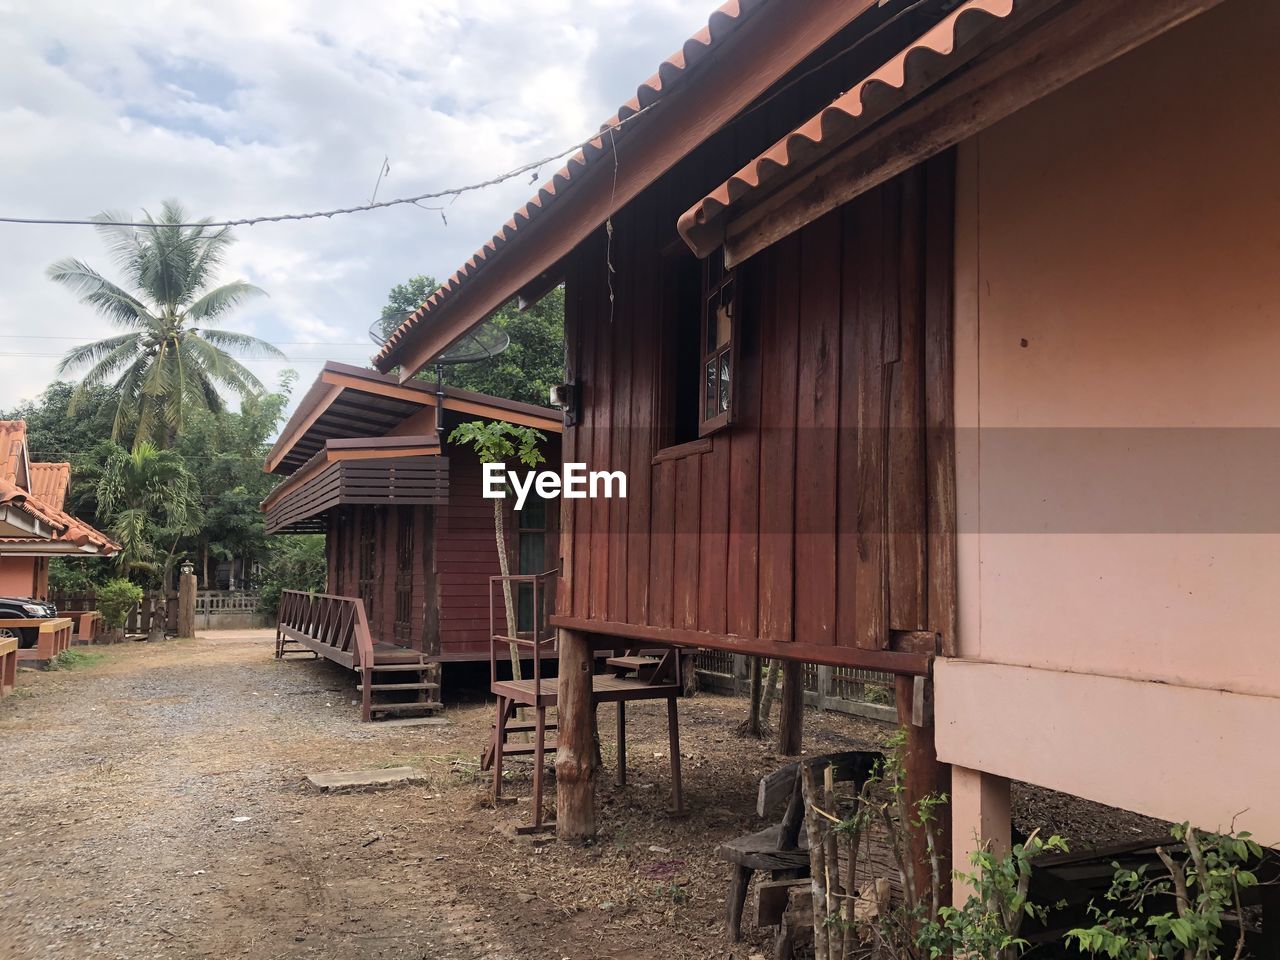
284,360
278,343
449,193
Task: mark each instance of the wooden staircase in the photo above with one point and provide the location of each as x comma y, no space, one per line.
400,683
394,680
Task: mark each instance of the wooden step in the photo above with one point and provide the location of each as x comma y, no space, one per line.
411,707
404,686
633,663
526,726
396,667
526,749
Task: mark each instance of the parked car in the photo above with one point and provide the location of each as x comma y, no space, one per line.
24,608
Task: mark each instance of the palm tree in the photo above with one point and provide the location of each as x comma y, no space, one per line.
167,361
147,495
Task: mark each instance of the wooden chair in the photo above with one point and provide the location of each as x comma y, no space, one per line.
782,849
627,678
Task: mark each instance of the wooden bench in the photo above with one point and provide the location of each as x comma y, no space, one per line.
781,849
54,637
8,665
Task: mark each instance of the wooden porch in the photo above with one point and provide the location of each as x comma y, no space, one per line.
393,679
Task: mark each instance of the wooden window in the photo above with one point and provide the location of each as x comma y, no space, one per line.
697,351
368,547
404,575
718,312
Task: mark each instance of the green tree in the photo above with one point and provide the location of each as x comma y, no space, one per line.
526,370
495,441
224,453
168,361
296,562
151,500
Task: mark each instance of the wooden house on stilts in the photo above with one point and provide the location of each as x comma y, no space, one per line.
938,338
409,536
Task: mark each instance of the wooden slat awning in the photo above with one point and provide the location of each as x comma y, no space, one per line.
348,402
303,508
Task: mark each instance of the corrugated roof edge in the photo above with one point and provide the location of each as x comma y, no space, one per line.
720,25
702,224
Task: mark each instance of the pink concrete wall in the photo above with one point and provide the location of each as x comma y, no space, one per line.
18,576
1119,272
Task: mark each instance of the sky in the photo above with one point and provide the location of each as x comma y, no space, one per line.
245,107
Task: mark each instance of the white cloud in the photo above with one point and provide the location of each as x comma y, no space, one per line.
244,108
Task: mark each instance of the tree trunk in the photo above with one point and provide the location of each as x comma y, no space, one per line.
791,718
155,629
753,725
500,531
770,691
577,757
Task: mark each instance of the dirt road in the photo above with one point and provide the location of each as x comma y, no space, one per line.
155,806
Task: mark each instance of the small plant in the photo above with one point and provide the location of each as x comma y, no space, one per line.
1204,886
116,600
70,659
920,926
989,923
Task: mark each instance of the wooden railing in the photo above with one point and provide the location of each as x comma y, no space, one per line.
54,636
541,635
334,627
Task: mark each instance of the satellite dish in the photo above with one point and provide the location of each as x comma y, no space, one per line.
483,343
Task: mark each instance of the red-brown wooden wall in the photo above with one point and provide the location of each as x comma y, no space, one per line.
454,554
817,525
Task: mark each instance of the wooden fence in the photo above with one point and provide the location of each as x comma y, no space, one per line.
861,693
139,621
215,610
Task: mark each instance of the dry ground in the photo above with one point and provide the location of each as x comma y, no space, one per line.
155,808
123,782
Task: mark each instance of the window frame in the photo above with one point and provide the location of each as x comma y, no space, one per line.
715,279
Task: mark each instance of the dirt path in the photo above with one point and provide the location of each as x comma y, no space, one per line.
124,784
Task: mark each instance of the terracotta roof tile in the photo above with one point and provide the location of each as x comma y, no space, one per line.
723,22
49,482
46,497
12,495
13,443
845,118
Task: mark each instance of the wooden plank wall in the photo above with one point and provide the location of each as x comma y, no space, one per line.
806,521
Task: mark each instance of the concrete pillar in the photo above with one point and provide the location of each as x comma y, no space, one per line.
980,815
577,760
187,605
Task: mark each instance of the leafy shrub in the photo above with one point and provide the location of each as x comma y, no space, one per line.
1204,884
294,563
116,601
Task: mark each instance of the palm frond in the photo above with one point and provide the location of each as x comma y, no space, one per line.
243,344
113,302
124,344
123,243
221,299
222,367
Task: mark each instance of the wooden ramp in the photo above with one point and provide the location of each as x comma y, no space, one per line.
394,680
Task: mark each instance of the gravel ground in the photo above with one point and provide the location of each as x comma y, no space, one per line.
127,781
156,808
